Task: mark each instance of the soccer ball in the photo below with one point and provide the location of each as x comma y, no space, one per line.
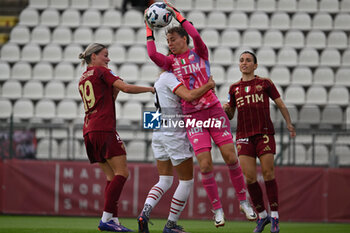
158,16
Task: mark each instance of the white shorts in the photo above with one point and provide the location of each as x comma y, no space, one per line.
175,147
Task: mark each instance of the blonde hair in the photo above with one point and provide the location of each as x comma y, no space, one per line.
92,48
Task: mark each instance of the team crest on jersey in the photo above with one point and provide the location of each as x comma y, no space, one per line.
258,87
247,89
191,57
237,91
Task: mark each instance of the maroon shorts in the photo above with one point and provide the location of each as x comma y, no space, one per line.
256,145
102,145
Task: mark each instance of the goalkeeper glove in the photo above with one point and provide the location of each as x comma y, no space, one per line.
175,12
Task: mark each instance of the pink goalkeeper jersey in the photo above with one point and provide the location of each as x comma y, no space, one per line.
191,68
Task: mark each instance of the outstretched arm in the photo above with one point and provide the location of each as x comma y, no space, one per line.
190,95
132,89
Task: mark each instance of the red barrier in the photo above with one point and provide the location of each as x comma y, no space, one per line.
76,188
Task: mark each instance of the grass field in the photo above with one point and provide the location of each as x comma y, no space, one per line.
38,224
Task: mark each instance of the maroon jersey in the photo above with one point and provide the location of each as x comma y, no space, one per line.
96,90
251,98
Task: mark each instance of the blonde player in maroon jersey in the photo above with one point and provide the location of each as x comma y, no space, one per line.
255,134
99,87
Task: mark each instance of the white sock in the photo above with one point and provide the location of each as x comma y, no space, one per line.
274,214
156,193
263,214
116,220
179,199
106,216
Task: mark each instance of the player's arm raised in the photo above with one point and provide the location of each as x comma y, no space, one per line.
230,111
133,89
190,95
285,113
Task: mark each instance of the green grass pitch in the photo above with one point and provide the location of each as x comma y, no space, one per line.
41,224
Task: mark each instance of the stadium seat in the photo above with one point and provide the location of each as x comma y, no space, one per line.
10,52
300,155
20,34
252,38
38,4
45,109
273,39
230,38
223,93
42,71
203,5
125,36
337,39
341,21
245,5
23,109
293,112
309,114
302,75
31,53
287,5
100,4
64,71
301,21
322,21
118,109
41,35
280,75
6,108
316,39
225,5
137,54
294,95
54,90
70,18
33,90
238,20
346,58
330,57
29,17
343,153
323,76
71,53
12,89
268,6
52,53
136,150
308,57
329,6
60,5
132,110
133,19
262,71
112,18
104,35
338,95
287,57
347,116
342,77
217,20
21,71
266,56
72,91
259,20
294,39
218,73
140,36
66,149
345,6
47,149
184,5
309,6
67,109
280,21
117,53
80,4
198,18
222,56
81,112
331,115
91,18
83,36
316,95
4,71
211,37
149,73
50,17
129,72
142,97
321,154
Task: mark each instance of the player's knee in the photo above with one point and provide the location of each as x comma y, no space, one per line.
206,167
268,174
124,173
165,182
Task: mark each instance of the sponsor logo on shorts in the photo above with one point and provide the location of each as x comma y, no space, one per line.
267,148
243,141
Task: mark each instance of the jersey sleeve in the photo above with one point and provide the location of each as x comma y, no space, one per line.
272,90
159,59
172,82
199,46
231,97
108,76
